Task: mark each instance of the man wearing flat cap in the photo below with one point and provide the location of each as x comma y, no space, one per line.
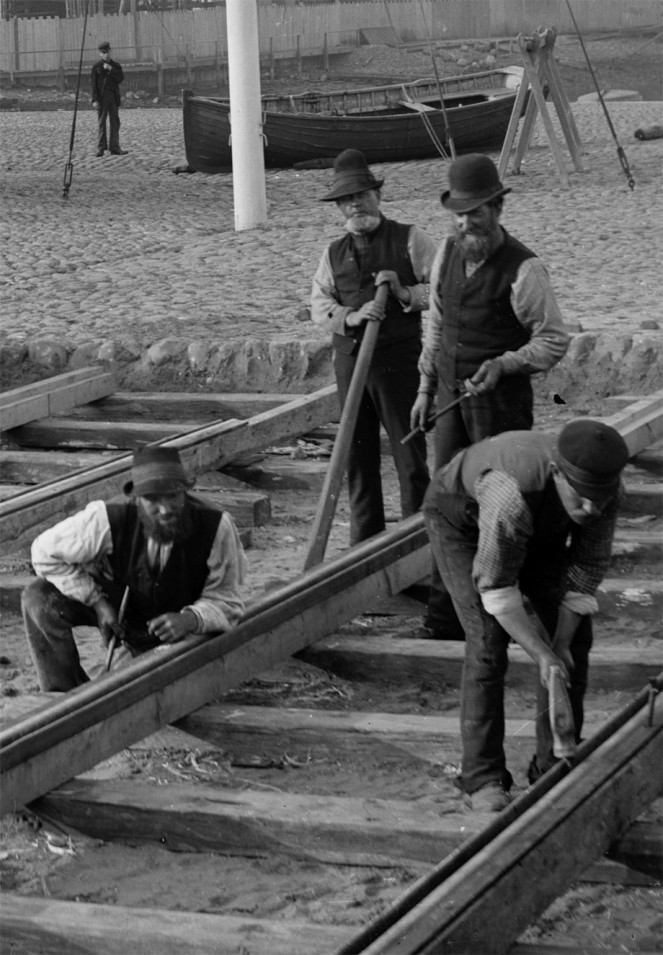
375,250
523,516
106,76
493,322
168,560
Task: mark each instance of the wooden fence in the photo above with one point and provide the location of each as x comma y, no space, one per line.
299,28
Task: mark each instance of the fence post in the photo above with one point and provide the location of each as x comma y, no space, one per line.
272,65
161,89
17,54
217,63
299,58
325,55
61,82
138,52
187,63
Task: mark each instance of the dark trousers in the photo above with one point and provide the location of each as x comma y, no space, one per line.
451,525
49,617
508,408
390,392
108,110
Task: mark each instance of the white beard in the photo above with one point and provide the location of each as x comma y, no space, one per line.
361,224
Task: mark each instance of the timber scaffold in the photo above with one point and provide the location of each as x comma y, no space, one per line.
580,821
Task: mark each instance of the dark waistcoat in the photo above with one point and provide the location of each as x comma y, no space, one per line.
478,321
354,279
154,592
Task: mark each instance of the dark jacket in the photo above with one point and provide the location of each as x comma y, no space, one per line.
106,82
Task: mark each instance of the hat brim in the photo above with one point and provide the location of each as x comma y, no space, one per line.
349,189
156,486
469,203
598,493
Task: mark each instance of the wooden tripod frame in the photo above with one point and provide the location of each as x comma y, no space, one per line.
541,72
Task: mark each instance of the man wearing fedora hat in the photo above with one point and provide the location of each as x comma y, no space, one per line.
106,76
494,321
375,250
172,560
523,515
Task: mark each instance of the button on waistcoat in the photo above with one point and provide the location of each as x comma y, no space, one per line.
478,322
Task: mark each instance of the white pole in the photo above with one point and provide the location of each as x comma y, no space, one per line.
245,114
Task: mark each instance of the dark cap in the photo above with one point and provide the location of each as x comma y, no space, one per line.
473,180
591,455
351,174
104,47
157,470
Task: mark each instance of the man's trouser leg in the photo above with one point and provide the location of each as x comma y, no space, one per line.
364,477
49,617
102,114
451,524
114,124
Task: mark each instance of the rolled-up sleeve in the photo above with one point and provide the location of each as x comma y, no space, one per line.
535,305
221,604
326,311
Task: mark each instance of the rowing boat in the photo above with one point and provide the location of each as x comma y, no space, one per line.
392,123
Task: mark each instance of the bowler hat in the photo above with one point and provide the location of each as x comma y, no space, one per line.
473,180
156,470
351,174
591,455
104,47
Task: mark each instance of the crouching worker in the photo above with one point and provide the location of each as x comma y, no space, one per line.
523,514
176,559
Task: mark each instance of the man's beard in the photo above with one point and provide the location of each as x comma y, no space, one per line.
477,245
179,530
362,223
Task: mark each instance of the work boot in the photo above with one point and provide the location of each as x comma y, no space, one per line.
100,152
490,798
119,152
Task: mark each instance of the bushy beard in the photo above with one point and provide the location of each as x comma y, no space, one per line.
362,223
477,245
180,530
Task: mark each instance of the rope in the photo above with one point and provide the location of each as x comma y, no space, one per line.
620,152
447,131
69,167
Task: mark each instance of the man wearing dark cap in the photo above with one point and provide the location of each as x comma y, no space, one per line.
494,322
106,77
523,516
375,250
170,559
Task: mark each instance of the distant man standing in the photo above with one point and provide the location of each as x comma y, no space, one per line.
106,77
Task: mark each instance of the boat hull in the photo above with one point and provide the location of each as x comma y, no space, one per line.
477,121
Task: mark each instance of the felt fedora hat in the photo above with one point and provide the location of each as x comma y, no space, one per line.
156,470
473,180
591,455
351,174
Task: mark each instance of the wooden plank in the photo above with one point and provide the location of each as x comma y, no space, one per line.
97,720
175,405
208,448
416,106
60,928
397,659
641,423
541,851
38,467
53,395
96,435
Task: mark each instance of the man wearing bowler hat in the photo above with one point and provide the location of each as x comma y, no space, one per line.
106,76
523,515
372,251
170,559
494,322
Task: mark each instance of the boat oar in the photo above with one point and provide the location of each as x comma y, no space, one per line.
433,418
341,450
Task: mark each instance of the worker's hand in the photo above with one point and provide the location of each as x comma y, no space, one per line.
420,412
485,377
369,312
106,619
562,650
546,661
172,627
95,104
108,67
386,276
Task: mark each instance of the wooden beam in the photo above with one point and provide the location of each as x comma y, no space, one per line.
60,928
80,434
53,395
98,719
210,447
538,847
641,423
175,405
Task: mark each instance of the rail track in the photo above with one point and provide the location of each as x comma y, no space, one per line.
288,787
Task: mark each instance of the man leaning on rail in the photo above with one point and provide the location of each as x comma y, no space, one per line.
147,569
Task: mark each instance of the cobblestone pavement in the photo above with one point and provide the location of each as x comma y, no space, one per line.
137,254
